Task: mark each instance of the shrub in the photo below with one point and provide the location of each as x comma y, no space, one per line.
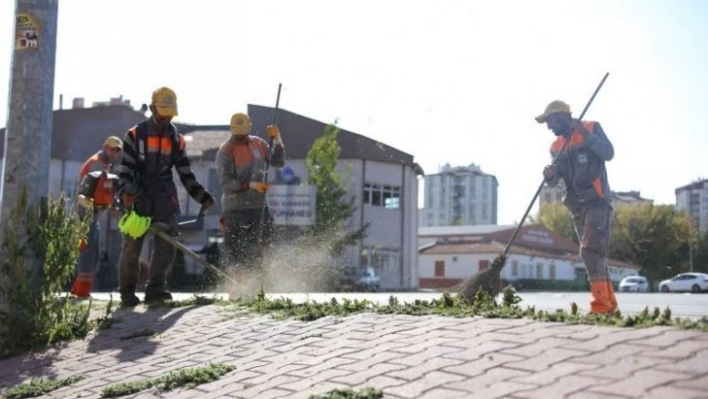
39,253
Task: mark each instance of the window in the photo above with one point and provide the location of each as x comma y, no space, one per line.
379,195
552,271
539,270
382,258
515,268
439,268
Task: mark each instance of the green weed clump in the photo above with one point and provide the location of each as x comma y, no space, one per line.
451,305
366,393
39,253
188,378
38,387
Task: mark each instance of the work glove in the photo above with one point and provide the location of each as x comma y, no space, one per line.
274,133
258,186
550,172
127,199
208,201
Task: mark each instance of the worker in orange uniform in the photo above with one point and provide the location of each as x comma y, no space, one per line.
95,196
581,165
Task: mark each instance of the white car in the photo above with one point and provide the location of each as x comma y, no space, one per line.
693,282
634,284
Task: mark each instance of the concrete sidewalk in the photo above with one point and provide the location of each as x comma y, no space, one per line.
405,356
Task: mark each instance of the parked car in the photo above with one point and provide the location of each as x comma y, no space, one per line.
368,277
634,284
693,282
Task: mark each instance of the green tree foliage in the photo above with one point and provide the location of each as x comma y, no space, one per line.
655,238
39,253
700,253
555,217
333,210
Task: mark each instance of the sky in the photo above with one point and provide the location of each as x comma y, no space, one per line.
455,82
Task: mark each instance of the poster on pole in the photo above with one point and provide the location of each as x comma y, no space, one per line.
26,32
292,205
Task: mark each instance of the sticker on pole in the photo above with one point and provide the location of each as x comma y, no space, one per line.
26,32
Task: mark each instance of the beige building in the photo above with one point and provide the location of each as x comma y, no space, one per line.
448,256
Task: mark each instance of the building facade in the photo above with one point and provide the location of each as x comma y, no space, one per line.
450,255
693,198
382,181
459,196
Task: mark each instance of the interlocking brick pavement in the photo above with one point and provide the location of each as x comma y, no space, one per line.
407,357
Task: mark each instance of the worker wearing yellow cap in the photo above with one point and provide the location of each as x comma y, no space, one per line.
95,175
240,165
151,150
581,150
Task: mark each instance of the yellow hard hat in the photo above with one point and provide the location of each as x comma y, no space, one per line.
552,108
240,124
165,100
134,225
114,142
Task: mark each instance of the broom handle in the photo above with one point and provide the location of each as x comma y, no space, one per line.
267,165
540,187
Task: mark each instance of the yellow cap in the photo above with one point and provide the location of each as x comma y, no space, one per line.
113,142
240,124
552,108
165,100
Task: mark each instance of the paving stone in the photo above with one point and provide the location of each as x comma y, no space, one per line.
480,366
420,370
417,387
365,374
406,356
681,350
612,336
553,373
673,391
373,360
561,387
622,369
307,383
545,360
700,382
488,377
642,382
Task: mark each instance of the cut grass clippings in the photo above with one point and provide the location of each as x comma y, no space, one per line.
366,393
188,378
455,306
38,387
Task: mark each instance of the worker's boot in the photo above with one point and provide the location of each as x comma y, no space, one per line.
82,286
613,299
128,298
156,293
602,298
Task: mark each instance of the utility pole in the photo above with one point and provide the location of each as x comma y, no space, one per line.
28,132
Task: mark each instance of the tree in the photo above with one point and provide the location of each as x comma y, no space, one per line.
700,253
653,237
555,217
332,211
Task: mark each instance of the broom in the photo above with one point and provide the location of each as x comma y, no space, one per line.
489,279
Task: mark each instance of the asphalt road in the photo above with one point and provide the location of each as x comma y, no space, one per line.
686,305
